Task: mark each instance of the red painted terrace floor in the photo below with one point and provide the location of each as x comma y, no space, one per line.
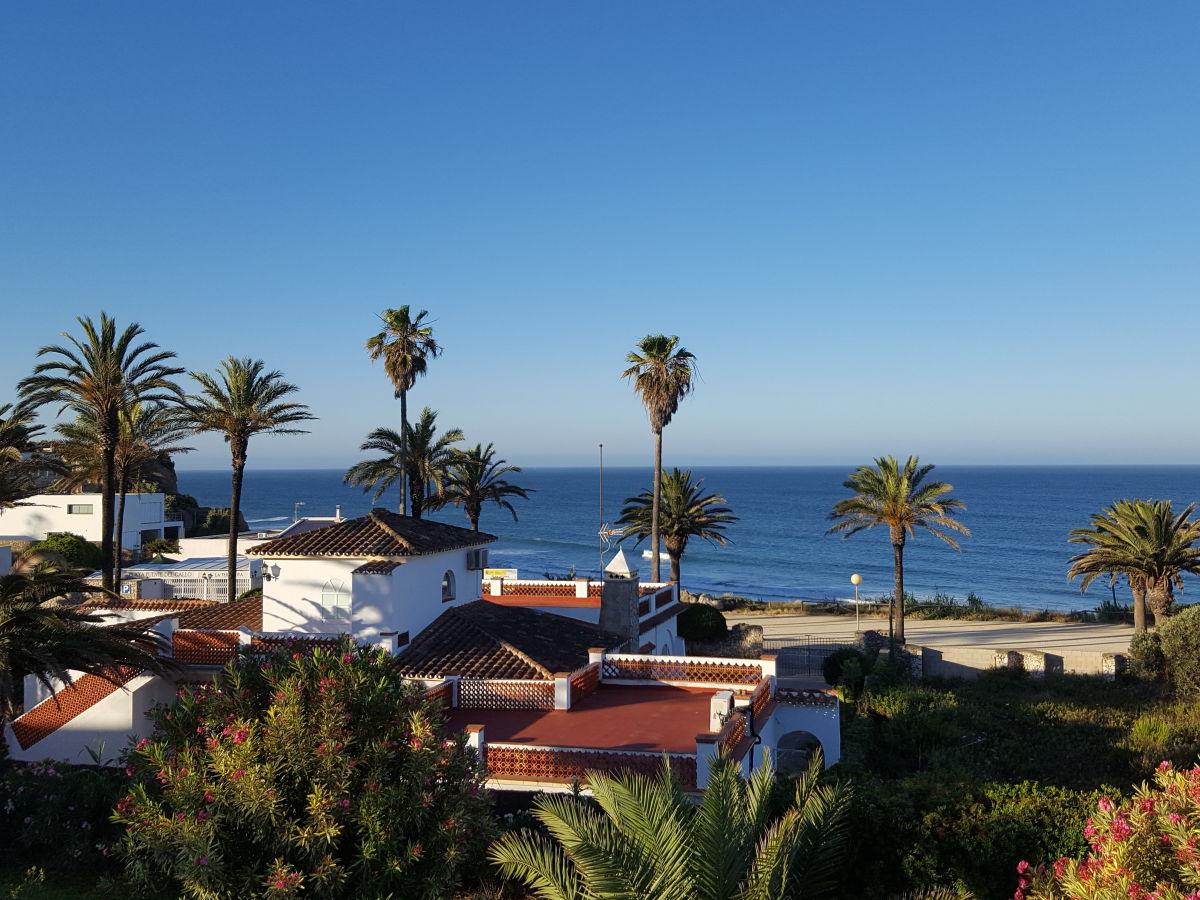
655,718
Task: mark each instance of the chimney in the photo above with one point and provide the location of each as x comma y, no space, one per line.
619,602
337,513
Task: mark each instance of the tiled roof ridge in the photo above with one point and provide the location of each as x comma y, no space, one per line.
376,517
524,657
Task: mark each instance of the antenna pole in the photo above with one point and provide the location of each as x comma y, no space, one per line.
600,540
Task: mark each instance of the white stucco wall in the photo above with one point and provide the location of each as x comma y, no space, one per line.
823,722
48,512
110,722
292,597
410,598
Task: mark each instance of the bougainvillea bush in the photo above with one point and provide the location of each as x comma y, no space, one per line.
308,773
1147,848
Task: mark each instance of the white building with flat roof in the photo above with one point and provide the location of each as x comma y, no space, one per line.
80,514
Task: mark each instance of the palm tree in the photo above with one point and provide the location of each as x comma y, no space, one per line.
148,432
405,345
1148,543
429,459
683,513
240,401
663,374
43,637
646,838
475,479
20,471
105,372
891,495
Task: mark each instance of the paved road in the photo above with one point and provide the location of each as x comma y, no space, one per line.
1046,636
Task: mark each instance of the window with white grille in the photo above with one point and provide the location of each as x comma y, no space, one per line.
335,600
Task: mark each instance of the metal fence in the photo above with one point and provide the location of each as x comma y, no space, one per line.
802,654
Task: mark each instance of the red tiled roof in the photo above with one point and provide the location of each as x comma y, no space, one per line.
244,613
380,533
51,714
376,567
176,604
485,640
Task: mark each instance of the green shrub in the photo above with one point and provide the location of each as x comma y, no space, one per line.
1179,637
60,812
318,773
831,668
77,551
851,680
1146,658
701,622
885,673
159,545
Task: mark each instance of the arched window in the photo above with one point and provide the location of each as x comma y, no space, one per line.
335,600
448,586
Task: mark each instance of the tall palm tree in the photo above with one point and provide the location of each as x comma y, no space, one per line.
892,495
148,432
475,479
1148,543
646,838
683,513
405,345
104,372
240,401
46,638
663,373
429,458
20,471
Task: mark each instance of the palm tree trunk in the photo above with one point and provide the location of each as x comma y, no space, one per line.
119,539
898,598
1139,606
674,566
654,565
235,513
416,494
1158,593
403,453
108,452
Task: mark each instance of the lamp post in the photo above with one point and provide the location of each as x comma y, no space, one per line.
856,580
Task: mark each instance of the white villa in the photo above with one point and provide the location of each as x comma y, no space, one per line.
43,514
548,679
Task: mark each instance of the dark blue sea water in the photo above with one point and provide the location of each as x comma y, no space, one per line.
1019,518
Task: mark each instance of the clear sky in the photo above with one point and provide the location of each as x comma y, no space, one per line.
964,230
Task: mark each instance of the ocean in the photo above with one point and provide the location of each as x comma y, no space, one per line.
1019,517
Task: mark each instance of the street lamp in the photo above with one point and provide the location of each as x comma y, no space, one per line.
856,580
296,511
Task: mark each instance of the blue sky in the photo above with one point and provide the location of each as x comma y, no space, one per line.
967,231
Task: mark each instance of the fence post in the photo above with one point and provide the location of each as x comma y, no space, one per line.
767,660
562,690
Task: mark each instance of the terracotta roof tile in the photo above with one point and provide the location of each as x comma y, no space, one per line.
51,714
380,533
204,648
376,567
244,613
486,640
176,604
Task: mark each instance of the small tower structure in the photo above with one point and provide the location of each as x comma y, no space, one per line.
619,601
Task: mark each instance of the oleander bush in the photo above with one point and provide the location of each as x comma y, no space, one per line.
1179,638
701,622
59,813
315,774
1143,848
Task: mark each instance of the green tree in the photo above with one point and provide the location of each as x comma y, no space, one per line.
476,478
406,344
20,469
1147,542
892,495
240,401
40,635
105,373
663,373
148,433
683,513
323,774
645,838
429,459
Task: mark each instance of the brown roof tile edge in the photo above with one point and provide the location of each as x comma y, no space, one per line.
658,618
74,700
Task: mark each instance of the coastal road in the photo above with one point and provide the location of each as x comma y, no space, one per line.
1045,636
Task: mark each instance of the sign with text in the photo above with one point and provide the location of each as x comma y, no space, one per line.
506,574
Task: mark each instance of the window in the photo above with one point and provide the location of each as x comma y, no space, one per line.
448,586
79,509
335,600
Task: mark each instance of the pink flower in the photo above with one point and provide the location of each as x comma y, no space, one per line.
1120,829
1174,818
202,861
237,774
344,804
239,736
346,657
208,797
1163,766
1105,804
1022,867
